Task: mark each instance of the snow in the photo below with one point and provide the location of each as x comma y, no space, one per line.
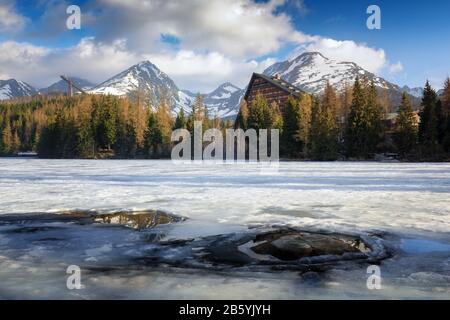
408,202
5,92
231,88
338,195
147,77
223,95
311,71
10,89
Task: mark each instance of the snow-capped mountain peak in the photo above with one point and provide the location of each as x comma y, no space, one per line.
144,77
151,81
224,91
10,89
222,102
311,71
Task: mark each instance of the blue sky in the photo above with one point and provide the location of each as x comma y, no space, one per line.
202,43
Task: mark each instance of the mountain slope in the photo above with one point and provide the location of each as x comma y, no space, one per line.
144,77
61,85
415,92
223,102
11,89
310,72
151,81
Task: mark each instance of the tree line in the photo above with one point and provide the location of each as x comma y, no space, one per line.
355,124
95,126
351,124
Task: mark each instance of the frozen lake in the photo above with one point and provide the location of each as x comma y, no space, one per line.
408,204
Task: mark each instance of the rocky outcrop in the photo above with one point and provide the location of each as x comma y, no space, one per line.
139,239
132,219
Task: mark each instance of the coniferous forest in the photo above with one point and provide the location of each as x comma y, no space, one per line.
353,124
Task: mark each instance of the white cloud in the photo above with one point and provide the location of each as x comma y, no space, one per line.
219,41
371,59
396,68
98,61
10,20
204,72
236,28
41,66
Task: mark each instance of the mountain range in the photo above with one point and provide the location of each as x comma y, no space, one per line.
146,78
309,71
11,89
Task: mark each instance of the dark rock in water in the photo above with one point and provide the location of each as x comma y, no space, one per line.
263,250
126,240
284,247
136,220
289,245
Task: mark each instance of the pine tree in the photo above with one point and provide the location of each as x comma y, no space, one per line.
153,137
263,116
180,122
446,115
85,136
364,122
441,122
324,138
104,121
428,126
356,120
405,135
375,132
446,98
290,144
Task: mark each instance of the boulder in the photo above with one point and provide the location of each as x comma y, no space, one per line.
295,245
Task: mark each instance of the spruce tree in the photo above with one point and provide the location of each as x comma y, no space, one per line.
446,98
375,129
428,126
356,122
265,116
446,114
364,122
290,144
324,138
153,137
85,136
405,135
180,122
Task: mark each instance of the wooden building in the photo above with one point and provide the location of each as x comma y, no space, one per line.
274,89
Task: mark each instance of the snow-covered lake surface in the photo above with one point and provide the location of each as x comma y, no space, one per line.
408,203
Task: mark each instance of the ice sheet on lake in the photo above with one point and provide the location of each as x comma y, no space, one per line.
408,201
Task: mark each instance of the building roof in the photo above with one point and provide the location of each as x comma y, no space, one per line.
278,82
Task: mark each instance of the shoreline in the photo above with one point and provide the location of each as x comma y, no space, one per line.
225,161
